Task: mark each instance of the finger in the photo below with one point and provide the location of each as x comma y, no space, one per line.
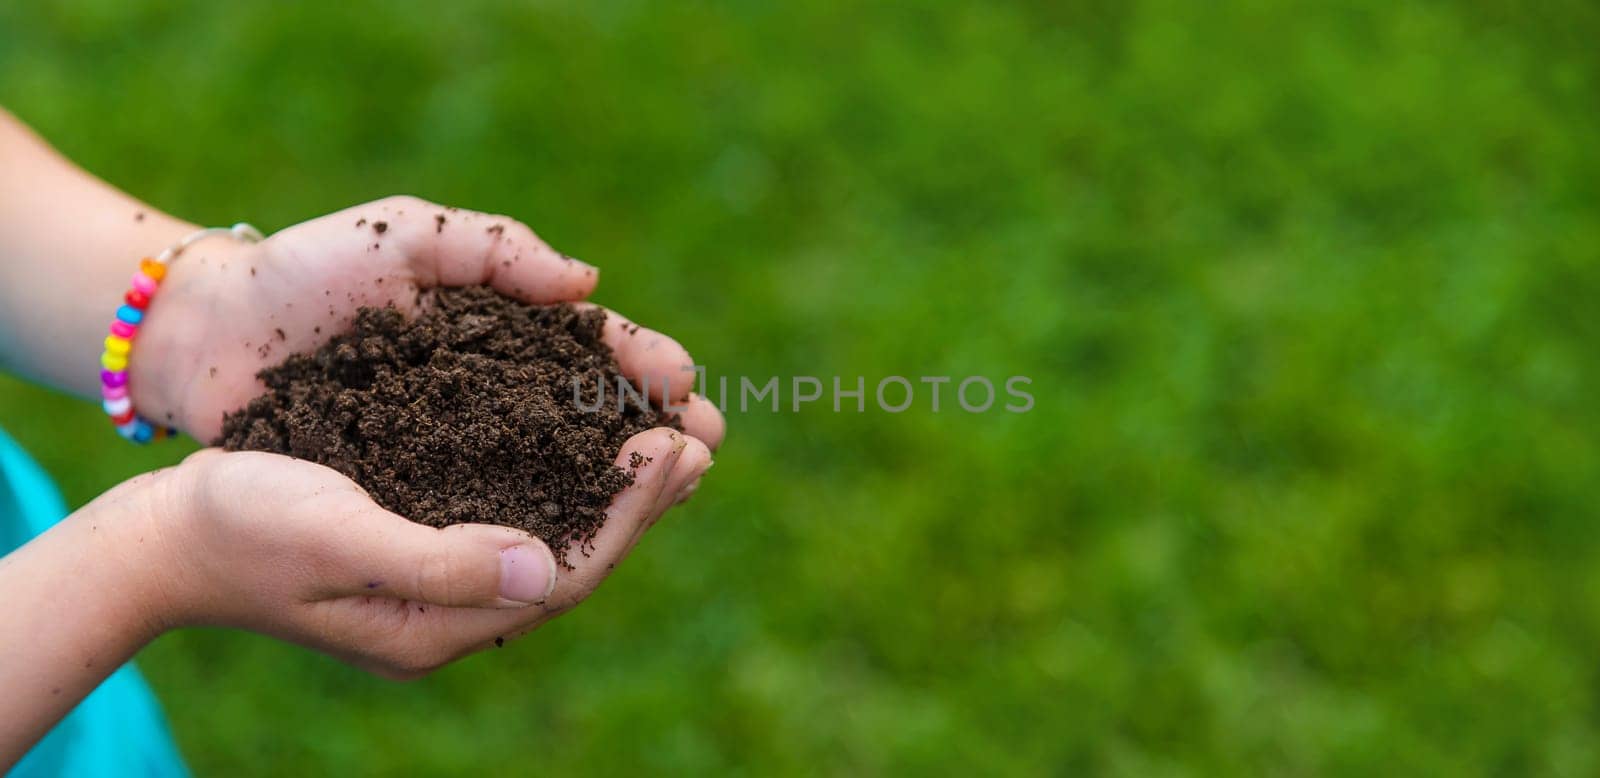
644,355
688,492
648,358
374,552
457,247
456,631
629,513
687,489
704,421
691,464
635,509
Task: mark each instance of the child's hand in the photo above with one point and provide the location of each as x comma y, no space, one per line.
261,541
295,550
227,310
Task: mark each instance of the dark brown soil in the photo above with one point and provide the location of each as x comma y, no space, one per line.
464,414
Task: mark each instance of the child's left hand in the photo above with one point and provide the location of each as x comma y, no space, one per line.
227,310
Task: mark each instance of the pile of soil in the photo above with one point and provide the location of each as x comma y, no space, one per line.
464,414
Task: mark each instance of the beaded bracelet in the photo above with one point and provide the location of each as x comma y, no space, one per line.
119,344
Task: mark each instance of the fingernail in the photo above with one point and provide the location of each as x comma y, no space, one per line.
692,482
688,491
527,574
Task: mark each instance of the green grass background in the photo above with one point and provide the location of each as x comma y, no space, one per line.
1308,295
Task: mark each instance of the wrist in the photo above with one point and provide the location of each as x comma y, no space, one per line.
121,267
167,356
121,541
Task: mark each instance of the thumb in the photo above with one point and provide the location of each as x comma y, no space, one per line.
464,566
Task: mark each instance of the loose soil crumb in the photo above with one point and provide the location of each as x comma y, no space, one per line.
464,414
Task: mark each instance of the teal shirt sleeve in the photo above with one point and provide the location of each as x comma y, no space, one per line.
118,730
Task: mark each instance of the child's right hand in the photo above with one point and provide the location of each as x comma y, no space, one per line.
295,550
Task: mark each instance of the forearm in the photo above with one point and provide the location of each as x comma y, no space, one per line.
69,242
76,607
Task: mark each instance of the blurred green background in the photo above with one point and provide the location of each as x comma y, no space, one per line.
1308,296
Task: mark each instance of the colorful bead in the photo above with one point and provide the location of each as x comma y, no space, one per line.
138,430
114,389
114,377
144,283
153,269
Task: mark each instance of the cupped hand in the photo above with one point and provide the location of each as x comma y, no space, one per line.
297,551
228,309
